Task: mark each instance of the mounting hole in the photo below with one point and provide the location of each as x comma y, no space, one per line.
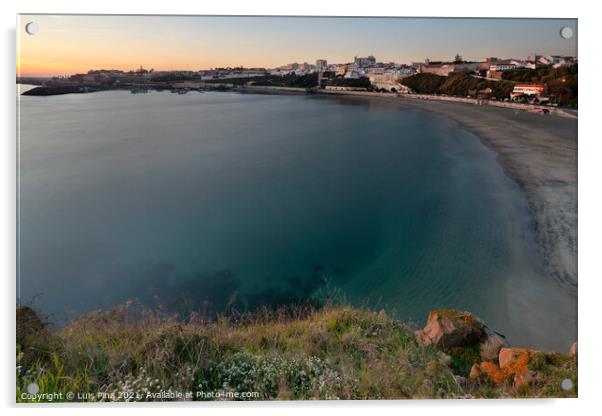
566,32
33,388
566,384
32,28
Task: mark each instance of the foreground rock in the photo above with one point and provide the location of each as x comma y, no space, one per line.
513,365
450,328
514,359
447,329
485,353
492,371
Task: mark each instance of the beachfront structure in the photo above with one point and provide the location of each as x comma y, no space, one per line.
530,92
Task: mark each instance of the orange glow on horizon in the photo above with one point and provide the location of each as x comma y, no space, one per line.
63,48
69,44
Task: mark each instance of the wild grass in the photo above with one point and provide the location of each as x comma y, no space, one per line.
131,353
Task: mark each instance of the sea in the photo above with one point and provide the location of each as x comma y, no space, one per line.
223,201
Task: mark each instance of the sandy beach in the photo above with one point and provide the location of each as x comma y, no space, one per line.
540,153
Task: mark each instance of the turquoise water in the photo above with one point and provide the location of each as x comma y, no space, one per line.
221,200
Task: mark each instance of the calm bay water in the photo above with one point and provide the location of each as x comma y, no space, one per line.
217,199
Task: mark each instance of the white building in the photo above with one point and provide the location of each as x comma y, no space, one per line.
352,75
502,67
556,61
364,62
536,92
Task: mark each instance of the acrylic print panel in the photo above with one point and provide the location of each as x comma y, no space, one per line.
295,208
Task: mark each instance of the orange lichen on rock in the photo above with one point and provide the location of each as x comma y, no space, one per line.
515,363
466,339
495,373
514,360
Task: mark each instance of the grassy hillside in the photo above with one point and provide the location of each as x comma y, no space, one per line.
456,84
289,80
130,353
562,83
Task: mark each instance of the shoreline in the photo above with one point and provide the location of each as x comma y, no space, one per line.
536,150
265,89
539,152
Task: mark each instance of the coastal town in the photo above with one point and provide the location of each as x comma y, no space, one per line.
534,79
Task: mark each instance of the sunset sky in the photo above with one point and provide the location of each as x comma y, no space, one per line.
67,44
